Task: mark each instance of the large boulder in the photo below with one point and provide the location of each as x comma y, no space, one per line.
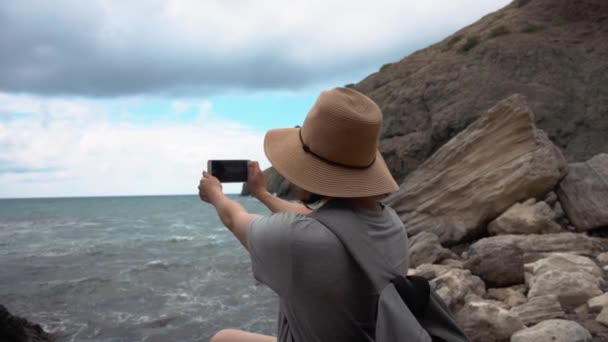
497,161
483,321
496,263
573,279
553,330
530,217
584,193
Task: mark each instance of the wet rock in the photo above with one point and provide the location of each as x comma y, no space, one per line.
539,309
530,217
495,162
553,330
17,329
484,321
584,193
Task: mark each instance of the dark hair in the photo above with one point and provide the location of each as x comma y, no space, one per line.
309,199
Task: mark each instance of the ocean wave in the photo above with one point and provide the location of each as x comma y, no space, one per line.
181,238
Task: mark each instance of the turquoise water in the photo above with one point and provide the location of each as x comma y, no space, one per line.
128,269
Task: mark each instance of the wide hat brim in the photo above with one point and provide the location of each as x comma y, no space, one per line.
284,150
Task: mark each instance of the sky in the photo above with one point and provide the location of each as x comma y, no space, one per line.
106,98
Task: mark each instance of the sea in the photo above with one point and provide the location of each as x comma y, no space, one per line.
157,268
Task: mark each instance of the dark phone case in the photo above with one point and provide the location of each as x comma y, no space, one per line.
229,171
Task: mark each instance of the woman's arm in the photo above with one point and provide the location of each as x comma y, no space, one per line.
232,214
256,183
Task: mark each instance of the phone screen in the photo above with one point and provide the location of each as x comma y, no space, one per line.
228,171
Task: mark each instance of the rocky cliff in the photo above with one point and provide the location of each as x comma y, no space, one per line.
554,52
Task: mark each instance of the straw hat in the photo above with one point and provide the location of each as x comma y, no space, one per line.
335,152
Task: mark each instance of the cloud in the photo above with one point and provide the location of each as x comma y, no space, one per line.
77,148
115,48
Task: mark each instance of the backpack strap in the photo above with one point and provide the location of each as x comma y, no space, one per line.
415,292
340,219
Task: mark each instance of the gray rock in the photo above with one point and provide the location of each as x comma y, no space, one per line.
495,162
571,288
584,193
603,317
484,321
551,198
456,284
564,262
558,210
535,244
429,271
496,263
452,263
424,248
510,296
553,330
539,309
597,304
530,217
602,258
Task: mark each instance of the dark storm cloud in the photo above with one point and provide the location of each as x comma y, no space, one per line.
95,48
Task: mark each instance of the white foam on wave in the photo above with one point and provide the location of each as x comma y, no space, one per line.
180,238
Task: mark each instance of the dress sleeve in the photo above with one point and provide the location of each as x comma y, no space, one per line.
269,244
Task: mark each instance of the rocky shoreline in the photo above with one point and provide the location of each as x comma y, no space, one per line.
18,329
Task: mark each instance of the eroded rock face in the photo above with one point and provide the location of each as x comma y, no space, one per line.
539,309
484,321
434,93
584,193
495,162
554,330
530,217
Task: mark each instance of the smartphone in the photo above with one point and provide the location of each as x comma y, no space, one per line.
228,171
